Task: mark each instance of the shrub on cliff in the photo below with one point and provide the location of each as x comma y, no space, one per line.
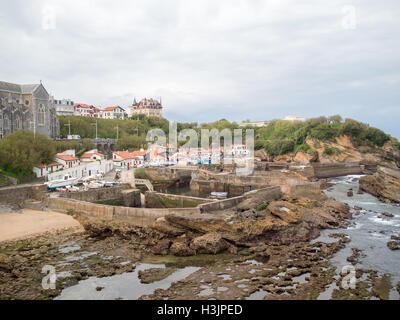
376,136
331,151
279,147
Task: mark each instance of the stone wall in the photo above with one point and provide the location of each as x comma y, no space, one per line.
169,173
16,194
141,217
329,170
236,185
268,194
131,198
152,199
310,190
101,194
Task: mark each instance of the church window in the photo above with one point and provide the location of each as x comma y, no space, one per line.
41,115
5,122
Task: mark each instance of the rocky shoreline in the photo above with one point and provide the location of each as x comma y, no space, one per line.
384,184
255,250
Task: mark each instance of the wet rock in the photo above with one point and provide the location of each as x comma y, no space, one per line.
164,227
350,193
155,274
210,243
386,215
384,184
353,259
181,249
393,245
393,237
252,214
357,213
162,247
398,287
381,287
99,288
359,191
5,263
357,208
284,210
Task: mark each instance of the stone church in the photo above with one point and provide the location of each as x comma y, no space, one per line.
27,107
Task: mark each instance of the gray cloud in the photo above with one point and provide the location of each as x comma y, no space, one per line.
212,59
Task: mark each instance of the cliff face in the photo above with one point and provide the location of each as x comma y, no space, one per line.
384,184
388,155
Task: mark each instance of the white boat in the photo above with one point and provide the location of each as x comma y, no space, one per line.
219,195
67,180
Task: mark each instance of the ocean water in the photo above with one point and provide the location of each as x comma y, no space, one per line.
122,286
367,232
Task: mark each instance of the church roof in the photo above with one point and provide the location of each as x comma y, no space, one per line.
18,88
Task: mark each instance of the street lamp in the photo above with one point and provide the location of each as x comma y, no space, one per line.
95,124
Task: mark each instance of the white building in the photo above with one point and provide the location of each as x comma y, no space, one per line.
92,155
126,159
112,113
83,170
44,169
255,124
67,160
295,118
64,107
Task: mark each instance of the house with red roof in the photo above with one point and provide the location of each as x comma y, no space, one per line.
115,112
126,159
67,160
43,170
86,110
92,155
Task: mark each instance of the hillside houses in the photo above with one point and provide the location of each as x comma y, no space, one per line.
67,160
92,155
85,110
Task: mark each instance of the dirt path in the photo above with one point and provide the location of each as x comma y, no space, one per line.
30,223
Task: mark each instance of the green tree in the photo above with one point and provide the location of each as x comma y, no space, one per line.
88,144
21,151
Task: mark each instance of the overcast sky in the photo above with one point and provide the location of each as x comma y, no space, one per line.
209,60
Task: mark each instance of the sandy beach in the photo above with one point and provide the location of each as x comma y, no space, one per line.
28,223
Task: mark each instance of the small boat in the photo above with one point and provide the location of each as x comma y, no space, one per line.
219,195
67,180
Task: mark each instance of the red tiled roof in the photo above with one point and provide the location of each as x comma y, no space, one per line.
66,157
49,165
139,153
124,154
90,154
110,108
82,105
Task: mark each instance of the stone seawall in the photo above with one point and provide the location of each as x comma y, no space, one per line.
101,194
152,199
330,170
236,185
268,194
141,217
16,194
169,174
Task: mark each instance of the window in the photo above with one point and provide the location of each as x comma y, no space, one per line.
41,115
5,122
17,123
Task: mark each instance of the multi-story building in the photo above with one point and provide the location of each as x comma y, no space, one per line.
149,107
64,107
85,110
112,113
27,107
